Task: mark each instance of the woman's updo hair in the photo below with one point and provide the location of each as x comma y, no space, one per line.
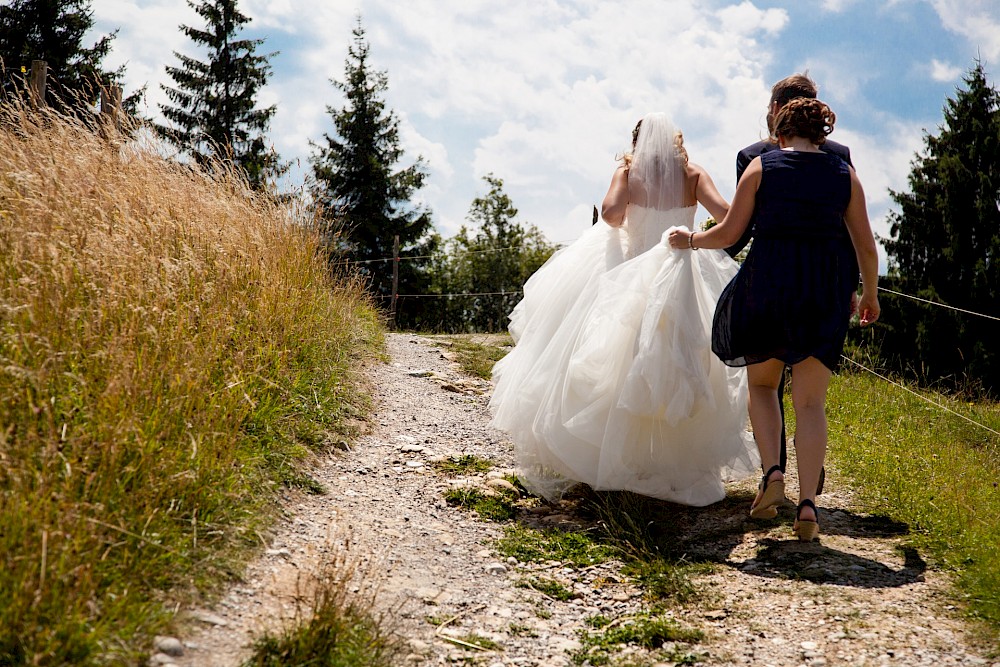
804,117
678,146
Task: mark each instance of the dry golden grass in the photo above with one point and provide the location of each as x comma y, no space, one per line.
170,344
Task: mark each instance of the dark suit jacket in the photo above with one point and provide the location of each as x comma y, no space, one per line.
746,156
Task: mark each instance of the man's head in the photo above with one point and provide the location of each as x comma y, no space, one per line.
788,89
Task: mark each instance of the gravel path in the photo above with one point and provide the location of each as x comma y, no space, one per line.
856,598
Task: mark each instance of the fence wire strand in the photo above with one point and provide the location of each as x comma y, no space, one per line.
938,303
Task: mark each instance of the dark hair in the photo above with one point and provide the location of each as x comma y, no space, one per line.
793,87
807,118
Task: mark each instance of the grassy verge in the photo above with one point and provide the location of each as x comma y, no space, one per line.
918,464
477,354
170,349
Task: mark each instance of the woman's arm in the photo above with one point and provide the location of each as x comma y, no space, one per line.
727,232
708,195
616,201
860,229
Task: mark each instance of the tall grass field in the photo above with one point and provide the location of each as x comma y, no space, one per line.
171,348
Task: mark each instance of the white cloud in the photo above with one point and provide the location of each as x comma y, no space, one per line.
977,20
882,155
542,93
837,6
944,72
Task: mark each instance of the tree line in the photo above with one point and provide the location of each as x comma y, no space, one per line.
944,242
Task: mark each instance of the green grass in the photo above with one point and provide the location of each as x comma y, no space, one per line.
649,631
548,587
499,506
463,464
475,358
171,350
917,464
527,545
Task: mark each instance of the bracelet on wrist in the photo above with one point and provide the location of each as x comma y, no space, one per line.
691,241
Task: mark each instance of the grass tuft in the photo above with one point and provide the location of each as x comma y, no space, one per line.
548,587
463,464
527,545
649,631
497,506
477,358
336,628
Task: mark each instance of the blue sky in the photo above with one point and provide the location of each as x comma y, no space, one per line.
544,93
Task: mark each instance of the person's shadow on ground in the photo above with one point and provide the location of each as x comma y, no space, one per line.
816,562
679,533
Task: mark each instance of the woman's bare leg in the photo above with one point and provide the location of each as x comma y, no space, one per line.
765,412
810,379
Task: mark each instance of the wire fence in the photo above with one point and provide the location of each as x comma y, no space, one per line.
402,258
853,362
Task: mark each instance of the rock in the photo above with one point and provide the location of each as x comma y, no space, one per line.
208,617
422,373
168,645
419,646
284,553
428,595
496,568
412,448
161,659
501,484
566,644
447,386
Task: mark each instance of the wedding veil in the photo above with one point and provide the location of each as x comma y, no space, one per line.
656,175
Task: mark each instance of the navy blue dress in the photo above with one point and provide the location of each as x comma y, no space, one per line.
792,297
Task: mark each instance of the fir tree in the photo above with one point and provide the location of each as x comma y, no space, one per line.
945,243
214,114
53,31
364,200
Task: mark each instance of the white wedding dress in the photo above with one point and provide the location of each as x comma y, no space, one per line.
612,381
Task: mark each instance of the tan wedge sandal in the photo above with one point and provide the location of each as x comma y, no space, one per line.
805,529
772,495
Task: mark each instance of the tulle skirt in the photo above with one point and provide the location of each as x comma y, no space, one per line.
612,381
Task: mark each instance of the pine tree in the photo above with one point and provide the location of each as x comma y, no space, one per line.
214,114
53,31
945,243
364,201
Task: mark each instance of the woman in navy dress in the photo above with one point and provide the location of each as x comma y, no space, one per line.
790,303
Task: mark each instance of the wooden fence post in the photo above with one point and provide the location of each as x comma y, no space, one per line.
111,104
395,280
39,72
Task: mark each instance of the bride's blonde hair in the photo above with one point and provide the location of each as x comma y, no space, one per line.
626,158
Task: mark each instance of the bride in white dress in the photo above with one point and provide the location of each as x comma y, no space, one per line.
612,381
